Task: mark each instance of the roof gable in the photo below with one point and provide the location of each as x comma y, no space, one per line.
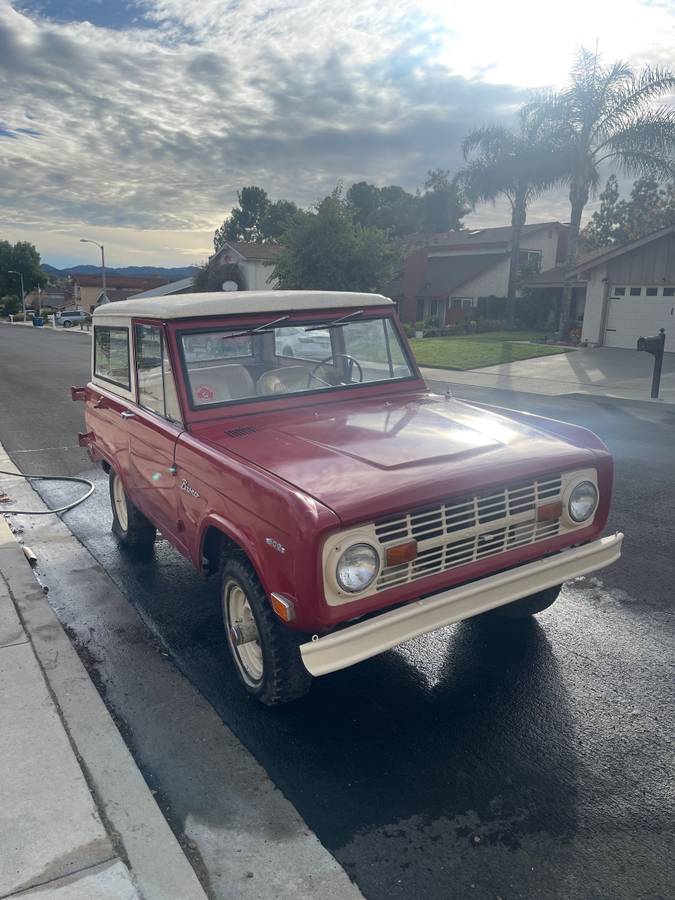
605,254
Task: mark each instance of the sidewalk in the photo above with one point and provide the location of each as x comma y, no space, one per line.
603,372
59,329
77,821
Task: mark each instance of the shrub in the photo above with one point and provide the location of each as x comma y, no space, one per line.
483,325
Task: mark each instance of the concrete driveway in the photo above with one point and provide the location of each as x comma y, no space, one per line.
603,371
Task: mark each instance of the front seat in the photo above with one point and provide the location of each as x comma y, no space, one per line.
285,380
216,384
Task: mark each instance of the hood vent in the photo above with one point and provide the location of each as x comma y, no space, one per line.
240,432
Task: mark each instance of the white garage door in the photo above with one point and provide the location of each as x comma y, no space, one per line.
631,314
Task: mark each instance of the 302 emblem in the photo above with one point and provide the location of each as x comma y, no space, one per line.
184,486
275,545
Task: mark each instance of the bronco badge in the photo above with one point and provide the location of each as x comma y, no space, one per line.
184,486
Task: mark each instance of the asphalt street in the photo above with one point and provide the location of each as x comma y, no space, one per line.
487,760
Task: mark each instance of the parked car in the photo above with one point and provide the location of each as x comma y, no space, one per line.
70,317
342,507
294,341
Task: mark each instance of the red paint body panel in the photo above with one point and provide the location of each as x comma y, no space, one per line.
312,464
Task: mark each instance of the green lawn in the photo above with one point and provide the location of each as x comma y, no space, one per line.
477,350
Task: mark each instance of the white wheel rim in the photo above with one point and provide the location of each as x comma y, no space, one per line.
120,501
238,614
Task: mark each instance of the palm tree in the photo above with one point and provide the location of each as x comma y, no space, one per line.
518,165
606,116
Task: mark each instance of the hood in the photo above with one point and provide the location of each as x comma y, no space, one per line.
369,457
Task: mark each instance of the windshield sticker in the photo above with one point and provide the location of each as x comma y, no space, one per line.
205,392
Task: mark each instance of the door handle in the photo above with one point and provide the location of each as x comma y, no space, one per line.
128,415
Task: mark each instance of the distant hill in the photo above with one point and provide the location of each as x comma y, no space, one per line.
171,274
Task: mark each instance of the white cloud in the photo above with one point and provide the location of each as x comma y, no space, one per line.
147,131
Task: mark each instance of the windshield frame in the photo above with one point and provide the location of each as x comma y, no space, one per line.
300,318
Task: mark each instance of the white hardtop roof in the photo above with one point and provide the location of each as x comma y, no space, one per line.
231,303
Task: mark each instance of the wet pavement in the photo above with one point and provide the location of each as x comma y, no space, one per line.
487,760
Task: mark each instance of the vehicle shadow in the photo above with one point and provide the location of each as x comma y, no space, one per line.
455,736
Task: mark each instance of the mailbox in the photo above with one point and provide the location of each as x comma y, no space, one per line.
654,345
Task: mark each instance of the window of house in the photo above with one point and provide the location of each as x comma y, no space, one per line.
156,385
619,292
111,355
530,258
419,314
636,292
669,292
652,292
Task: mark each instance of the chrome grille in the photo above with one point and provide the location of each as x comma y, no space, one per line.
464,530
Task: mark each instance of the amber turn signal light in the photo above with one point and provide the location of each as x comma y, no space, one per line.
549,511
283,607
401,553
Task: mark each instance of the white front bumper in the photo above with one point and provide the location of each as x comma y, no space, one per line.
365,639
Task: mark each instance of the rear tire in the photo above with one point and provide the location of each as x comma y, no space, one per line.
529,606
265,653
129,526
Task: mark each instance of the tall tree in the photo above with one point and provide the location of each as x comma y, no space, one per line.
442,205
325,249
21,257
648,209
256,219
518,165
606,116
600,230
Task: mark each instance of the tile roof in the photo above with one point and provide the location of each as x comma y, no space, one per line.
469,237
446,274
265,252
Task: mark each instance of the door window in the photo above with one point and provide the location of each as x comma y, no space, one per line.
156,384
111,355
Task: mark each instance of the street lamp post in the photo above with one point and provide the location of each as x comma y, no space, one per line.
23,293
102,249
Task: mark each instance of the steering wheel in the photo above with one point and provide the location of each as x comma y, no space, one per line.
352,362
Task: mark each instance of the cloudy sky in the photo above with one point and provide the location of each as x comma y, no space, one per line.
134,122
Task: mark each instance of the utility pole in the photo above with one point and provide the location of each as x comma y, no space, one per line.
23,293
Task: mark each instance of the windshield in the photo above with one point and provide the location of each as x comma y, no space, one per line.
229,364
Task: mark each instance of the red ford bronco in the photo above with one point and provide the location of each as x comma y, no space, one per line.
343,506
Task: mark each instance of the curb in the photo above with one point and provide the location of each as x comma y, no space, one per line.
157,863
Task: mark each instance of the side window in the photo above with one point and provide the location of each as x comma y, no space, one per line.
111,355
156,385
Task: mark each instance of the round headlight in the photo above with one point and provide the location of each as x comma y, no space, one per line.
357,568
583,501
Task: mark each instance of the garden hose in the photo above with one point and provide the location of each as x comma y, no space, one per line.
48,512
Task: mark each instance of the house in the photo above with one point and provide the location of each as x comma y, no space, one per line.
249,265
462,274
54,296
182,286
88,289
622,293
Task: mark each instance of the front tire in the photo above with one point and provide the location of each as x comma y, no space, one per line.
265,653
129,526
67,324
529,606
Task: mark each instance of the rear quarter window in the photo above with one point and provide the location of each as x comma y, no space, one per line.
111,355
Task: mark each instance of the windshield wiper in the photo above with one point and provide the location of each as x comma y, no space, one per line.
338,323
261,329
